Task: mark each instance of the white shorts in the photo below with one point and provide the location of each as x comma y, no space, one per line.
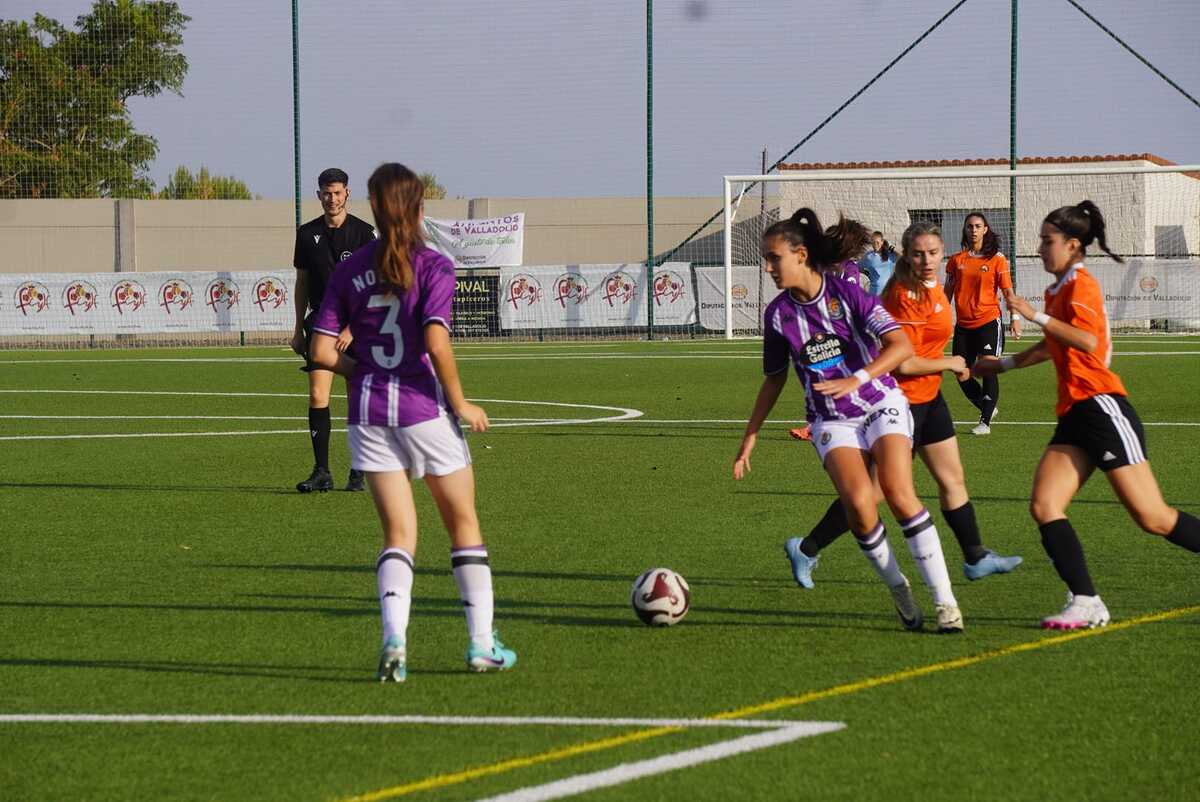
436,447
890,415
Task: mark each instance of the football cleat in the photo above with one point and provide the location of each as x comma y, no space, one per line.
802,564
949,619
356,481
392,661
497,658
1080,612
317,482
906,607
992,563
801,433
981,428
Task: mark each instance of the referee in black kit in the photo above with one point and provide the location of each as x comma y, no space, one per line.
320,245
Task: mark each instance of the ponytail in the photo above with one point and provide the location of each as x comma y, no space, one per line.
396,197
826,247
1083,222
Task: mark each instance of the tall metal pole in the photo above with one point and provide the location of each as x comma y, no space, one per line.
762,227
1012,147
650,169
296,102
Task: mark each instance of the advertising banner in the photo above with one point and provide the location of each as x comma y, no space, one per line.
1140,289
476,306
496,242
149,303
750,297
579,296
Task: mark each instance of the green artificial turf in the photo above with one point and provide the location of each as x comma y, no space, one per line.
184,575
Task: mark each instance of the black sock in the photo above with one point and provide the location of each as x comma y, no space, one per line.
832,525
1062,544
988,399
973,392
318,430
1186,532
966,529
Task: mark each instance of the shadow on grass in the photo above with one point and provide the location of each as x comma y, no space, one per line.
140,487
336,674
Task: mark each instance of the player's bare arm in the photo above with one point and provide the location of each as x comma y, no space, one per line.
297,342
896,349
441,353
768,394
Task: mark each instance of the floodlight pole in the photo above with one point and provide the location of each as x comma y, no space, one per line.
296,103
649,169
1012,147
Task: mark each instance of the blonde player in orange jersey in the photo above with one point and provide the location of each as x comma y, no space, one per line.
975,277
918,303
1097,426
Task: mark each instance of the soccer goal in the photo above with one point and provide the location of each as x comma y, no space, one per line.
1152,213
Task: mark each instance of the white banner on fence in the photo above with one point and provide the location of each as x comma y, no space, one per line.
1140,289
578,296
750,297
147,303
496,242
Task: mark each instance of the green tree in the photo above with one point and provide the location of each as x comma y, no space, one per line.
202,186
433,189
65,126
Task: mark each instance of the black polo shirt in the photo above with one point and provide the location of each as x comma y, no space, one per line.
320,248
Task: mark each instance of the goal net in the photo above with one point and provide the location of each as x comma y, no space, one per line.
1152,215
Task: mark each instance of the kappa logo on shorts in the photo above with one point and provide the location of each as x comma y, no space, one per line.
825,438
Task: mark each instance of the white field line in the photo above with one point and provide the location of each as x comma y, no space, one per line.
516,357
463,721
626,772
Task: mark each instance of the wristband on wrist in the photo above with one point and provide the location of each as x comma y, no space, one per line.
1041,318
1007,363
862,376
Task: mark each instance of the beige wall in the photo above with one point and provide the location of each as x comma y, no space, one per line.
81,236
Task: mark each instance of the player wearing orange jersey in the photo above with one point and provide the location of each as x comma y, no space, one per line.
975,277
1097,426
918,303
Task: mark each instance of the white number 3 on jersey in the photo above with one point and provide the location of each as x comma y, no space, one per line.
378,353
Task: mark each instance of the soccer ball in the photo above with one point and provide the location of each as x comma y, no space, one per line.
660,597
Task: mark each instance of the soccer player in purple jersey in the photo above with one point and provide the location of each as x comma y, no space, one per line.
395,294
832,331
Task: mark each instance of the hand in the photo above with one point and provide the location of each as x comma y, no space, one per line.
474,415
741,463
1022,307
838,388
1016,327
958,366
986,366
343,340
297,341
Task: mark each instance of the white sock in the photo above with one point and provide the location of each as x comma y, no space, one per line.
926,548
875,547
474,577
394,570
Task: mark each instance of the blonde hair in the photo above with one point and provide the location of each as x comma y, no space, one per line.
904,275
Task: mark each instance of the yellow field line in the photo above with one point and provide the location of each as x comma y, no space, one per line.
443,780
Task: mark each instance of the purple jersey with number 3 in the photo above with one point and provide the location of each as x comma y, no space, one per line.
826,338
394,383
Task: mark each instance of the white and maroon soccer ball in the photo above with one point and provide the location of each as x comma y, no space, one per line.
660,597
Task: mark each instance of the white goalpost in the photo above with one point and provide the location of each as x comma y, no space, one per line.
1152,213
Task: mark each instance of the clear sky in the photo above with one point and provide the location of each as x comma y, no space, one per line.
535,98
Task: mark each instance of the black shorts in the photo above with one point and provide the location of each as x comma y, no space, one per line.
987,340
308,335
931,422
1106,428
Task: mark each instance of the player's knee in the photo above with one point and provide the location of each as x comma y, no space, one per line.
1044,511
1158,521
